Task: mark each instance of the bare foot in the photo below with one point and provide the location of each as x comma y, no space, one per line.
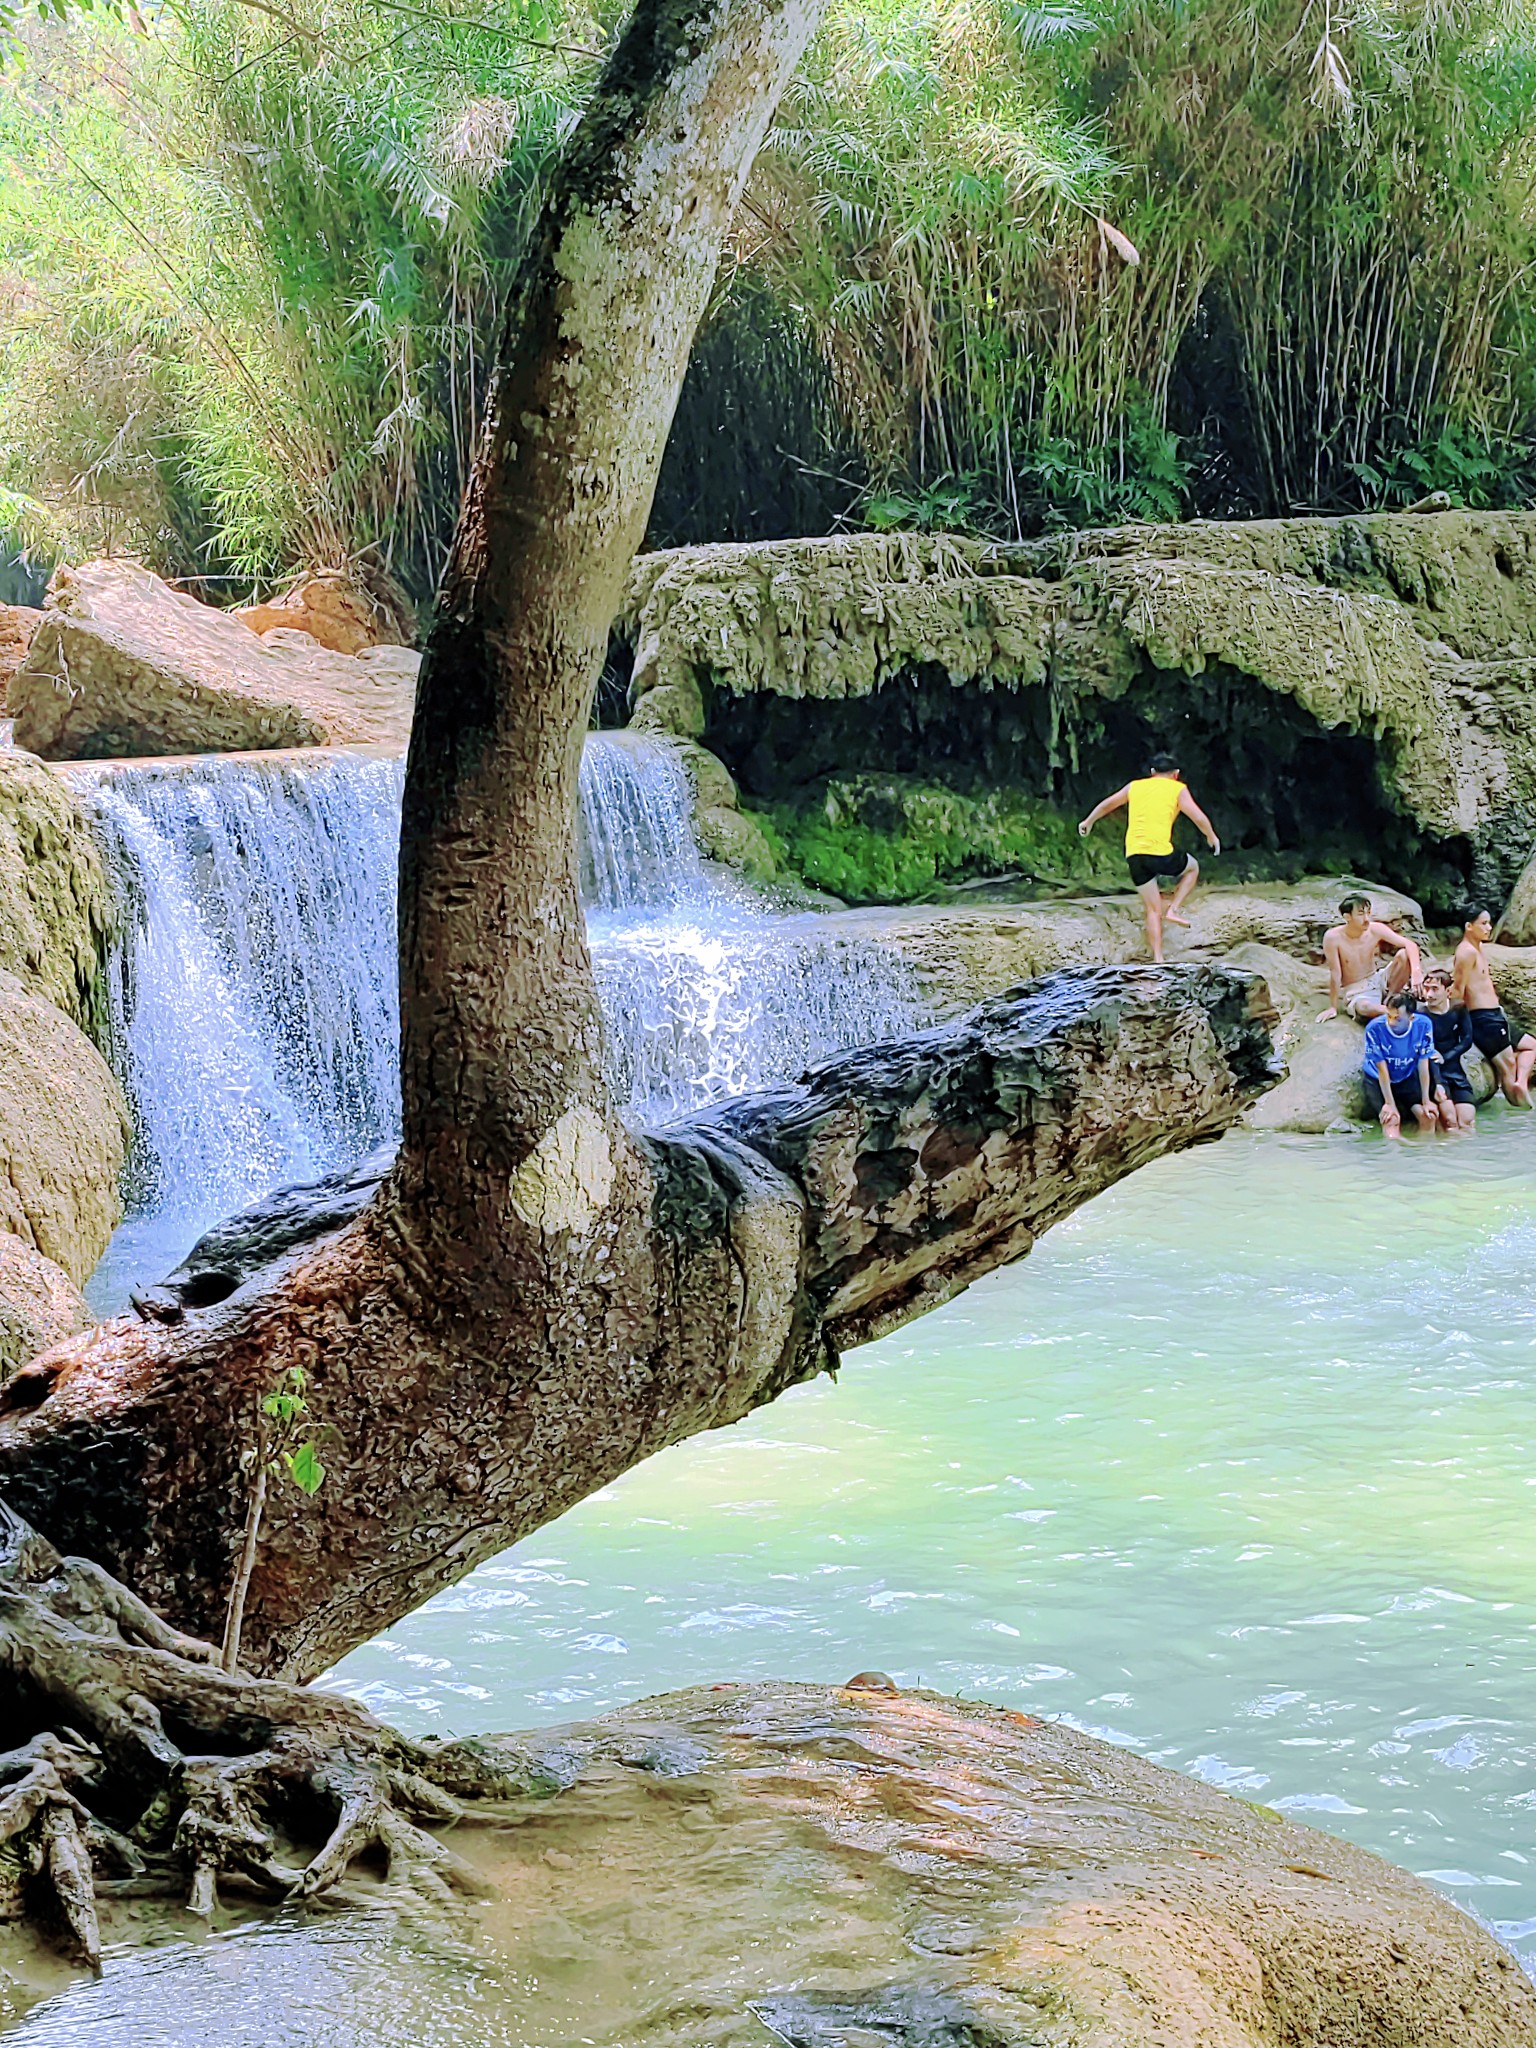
1173,917
1520,1095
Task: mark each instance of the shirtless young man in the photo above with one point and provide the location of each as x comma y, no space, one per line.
1473,985
1152,802
1359,980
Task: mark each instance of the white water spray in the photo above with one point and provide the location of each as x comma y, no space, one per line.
253,1000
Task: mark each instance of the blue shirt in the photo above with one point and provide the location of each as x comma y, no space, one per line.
1400,1052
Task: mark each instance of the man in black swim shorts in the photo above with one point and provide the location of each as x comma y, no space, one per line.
1472,984
1452,1027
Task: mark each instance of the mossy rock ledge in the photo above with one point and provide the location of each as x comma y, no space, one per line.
1415,634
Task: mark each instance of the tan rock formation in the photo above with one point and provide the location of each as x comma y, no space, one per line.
978,1876
343,611
63,1132
56,905
962,955
1417,631
123,664
39,1303
18,622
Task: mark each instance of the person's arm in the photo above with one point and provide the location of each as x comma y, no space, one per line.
1426,1092
1197,817
1335,985
1395,942
1110,803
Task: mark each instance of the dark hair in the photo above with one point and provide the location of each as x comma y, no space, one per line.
1471,916
1403,999
1163,764
1354,902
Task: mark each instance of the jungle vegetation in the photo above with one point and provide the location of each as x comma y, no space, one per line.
1005,264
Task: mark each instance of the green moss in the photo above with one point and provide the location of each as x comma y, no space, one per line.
898,839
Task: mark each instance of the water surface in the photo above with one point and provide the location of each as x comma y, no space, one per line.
1237,1468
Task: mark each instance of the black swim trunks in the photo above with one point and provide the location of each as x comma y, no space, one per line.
1490,1032
1452,1030
1152,867
1404,1093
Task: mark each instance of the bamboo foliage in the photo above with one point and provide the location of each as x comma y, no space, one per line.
1042,260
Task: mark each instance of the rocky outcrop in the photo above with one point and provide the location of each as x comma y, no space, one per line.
63,1131
56,905
39,1303
962,954
342,610
1274,930
981,1878
1416,631
18,622
123,664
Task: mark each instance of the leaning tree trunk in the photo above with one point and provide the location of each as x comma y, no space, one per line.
534,1297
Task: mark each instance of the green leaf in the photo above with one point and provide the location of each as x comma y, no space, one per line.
304,1468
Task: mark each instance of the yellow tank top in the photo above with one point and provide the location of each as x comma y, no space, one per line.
1153,807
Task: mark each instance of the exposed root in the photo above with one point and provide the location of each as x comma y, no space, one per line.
149,1770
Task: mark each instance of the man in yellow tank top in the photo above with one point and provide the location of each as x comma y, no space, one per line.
1152,803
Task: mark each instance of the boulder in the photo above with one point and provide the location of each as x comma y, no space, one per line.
63,1134
123,664
962,954
978,1878
344,611
57,910
1322,1087
39,1304
18,622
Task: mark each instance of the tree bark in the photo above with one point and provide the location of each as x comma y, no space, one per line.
532,1297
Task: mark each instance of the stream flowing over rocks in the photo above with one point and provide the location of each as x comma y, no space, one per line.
865,1864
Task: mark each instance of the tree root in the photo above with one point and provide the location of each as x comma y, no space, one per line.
150,1771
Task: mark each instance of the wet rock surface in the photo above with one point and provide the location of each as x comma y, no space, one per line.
741,1865
123,664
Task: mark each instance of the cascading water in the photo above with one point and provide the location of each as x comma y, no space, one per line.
253,1001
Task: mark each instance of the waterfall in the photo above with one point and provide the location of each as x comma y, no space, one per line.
253,998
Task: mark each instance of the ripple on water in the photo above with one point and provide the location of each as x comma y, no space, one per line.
1242,1456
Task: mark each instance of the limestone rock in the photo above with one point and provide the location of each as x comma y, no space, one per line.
63,1133
344,612
961,955
729,836
18,622
123,664
1416,631
1323,1080
56,903
982,1878
39,1303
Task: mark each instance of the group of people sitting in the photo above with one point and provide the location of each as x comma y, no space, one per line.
1414,1056
1413,1062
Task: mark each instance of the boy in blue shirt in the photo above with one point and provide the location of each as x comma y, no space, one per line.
1398,1050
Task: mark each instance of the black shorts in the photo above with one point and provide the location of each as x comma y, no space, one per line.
1457,1087
1490,1032
1152,867
1404,1093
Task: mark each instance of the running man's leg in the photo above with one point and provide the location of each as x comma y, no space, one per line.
1506,1067
1151,895
1181,894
